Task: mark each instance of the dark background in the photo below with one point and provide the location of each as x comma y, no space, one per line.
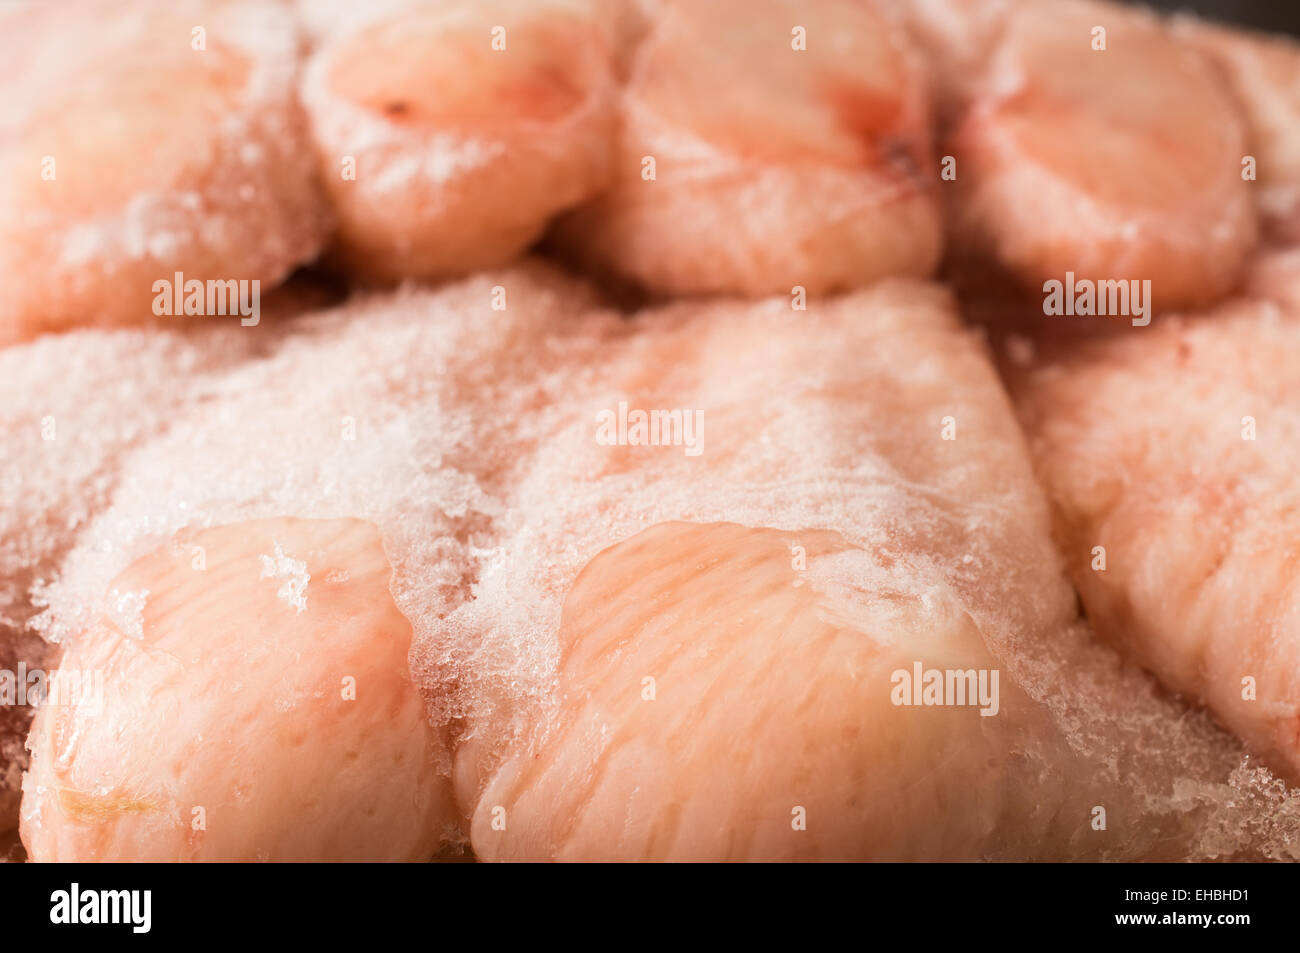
1276,16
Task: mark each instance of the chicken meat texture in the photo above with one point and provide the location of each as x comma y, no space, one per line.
622,650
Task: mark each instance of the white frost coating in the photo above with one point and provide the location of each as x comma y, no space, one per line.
471,446
857,582
291,573
71,407
126,611
448,156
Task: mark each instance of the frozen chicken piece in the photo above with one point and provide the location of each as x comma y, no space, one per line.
72,406
1114,163
766,145
717,704
449,134
1168,455
249,700
364,412
725,626
141,141
1264,74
